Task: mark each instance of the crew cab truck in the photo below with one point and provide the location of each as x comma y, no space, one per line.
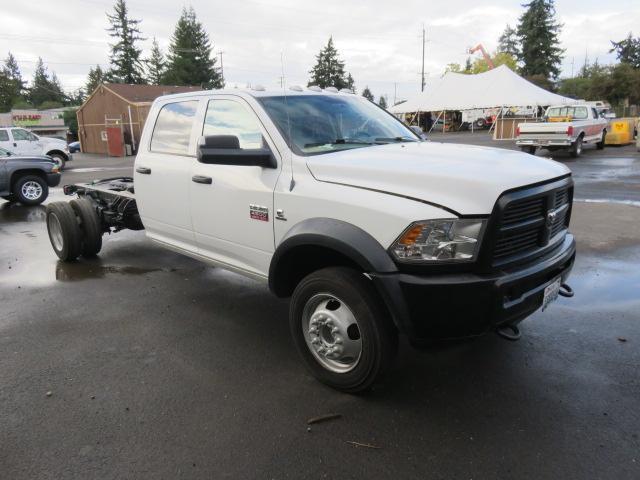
26,179
565,128
337,204
23,142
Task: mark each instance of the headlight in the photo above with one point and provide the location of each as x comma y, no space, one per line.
427,241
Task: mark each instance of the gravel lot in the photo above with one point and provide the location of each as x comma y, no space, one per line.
160,367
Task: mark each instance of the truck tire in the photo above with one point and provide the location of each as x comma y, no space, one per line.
9,198
89,223
576,148
30,190
341,329
60,160
64,231
600,144
529,149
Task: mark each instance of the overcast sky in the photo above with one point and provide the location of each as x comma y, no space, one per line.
380,41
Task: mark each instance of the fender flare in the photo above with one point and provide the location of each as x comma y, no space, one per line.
342,237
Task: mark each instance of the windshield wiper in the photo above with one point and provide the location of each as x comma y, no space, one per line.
394,139
338,141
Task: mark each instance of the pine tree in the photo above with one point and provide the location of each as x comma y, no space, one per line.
382,102
538,32
155,64
366,93
329,70
189,60
126,66
44,88
351,84
94,79
508,42
11,83
627,50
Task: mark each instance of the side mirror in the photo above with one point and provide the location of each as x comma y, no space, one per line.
225,150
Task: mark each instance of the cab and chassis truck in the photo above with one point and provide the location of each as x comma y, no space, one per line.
333,202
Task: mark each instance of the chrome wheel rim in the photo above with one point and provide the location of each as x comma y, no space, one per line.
31,190
55,231
58,161
332,333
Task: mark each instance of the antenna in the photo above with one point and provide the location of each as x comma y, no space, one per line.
286,107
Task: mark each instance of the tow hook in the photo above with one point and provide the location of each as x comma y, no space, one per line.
565,291
509,332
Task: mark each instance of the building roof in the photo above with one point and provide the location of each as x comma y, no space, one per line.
146,93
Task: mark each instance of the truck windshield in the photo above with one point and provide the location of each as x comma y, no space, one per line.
317,124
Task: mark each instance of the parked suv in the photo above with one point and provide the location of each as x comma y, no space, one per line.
335,203
23,142
26,179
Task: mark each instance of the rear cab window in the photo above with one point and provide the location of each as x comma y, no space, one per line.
172,130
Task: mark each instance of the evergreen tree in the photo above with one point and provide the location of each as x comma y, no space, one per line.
628,50
189,60
329,69
351,84
44,88
538,32
155,64
11,83
382,102
508,42
468,66
126,66
366,93
94,79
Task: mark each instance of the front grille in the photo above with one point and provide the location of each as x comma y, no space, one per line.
531,223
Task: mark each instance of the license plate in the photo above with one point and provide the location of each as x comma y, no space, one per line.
551,292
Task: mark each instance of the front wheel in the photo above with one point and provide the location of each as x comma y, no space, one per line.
341,329
60,160
30,190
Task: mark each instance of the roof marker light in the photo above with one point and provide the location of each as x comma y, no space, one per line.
315,88
332,89
295,88
258,88
347,90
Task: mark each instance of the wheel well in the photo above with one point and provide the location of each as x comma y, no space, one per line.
58,152
300,262
15,176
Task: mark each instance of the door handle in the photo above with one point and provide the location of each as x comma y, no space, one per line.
143,170
15,144
202,179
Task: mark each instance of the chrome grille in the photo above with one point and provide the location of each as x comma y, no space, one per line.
530,224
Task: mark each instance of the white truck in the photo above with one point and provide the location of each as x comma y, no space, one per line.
23,142
566,127
340,206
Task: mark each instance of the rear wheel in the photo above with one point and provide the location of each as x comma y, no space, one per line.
89,223
529,149
59,159
341,329
30,190
576,148
600,144
64,231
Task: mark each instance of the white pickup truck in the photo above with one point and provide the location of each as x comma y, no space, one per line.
23,142
565,128
338,205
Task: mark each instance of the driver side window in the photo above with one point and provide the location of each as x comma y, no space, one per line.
228,117
19,134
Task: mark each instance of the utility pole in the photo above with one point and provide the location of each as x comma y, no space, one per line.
395,92
220,52
424,40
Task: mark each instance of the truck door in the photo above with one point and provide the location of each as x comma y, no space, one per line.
232,205
162,174
25,143
5,140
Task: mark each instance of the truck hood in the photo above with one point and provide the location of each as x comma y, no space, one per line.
465,179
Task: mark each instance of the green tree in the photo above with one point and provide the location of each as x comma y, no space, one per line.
628,50
538,32
189,61
126,66
155,64
498,58
94,79
45,88
11,83
329,69
351,84
468,66
382,102
366,93
508,42
71,121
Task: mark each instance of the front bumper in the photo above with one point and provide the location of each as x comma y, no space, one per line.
461,305
53,179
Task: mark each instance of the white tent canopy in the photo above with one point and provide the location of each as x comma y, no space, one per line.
500,87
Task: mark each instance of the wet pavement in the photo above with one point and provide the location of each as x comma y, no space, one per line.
161,367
